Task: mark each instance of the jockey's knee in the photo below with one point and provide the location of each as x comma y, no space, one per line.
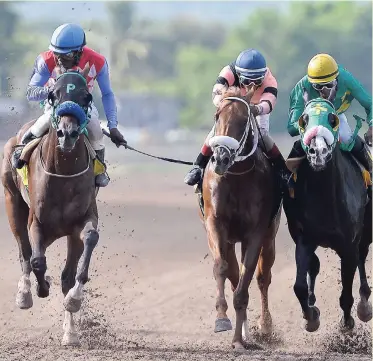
345,132
41,126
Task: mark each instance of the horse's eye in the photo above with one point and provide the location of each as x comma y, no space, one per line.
331,119
304,120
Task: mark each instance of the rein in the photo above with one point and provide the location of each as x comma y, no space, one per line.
125,145
250,124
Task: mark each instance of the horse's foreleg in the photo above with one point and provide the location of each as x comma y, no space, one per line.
241,294
17,211
303,255
38,259
74,251
70,336
74,297
313,271
264,277
218,246
349,262
75,248
364,307
233,268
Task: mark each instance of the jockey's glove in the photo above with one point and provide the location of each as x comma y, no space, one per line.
117,137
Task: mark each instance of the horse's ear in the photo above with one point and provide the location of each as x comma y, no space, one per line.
89,98
51,98
250,93
85,71
58,71
303,121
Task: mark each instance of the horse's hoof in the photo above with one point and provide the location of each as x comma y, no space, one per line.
313,319
238,346
24,300
222,324
72,304
347,325
70,339
364,310
241,346
43,292
265,326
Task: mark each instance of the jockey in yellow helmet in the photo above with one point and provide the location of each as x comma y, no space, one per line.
323,76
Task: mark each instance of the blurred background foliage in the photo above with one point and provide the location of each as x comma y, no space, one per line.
180,56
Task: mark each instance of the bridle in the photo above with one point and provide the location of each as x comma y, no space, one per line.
232,145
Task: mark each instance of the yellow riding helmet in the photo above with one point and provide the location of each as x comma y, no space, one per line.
322,68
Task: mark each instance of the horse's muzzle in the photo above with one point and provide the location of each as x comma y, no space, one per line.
67,139
319,154
221,160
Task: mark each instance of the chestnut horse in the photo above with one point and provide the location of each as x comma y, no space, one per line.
239,195
61,199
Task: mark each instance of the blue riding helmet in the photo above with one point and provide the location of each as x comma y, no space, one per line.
251,64
67,38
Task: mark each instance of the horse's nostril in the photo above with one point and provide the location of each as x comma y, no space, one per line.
324,151
225,161
312,151
74,134
213,159
59,133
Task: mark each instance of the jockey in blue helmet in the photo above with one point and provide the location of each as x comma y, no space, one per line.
68,50
248,70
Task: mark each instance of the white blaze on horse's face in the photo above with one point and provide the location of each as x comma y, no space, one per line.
319,153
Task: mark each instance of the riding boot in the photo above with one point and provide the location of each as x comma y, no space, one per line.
283,174
361,152
16,162
102,180
195,174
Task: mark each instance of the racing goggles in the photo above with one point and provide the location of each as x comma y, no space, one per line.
247,81
320,87
67,56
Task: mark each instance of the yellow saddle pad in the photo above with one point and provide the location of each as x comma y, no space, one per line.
98,168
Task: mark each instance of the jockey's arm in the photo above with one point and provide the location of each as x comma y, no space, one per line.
296,109
361,95
36,90
269,96
108,99
223,82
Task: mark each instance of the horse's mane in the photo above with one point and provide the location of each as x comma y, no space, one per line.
232,91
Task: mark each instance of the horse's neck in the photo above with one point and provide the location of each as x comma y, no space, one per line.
57,162
329,183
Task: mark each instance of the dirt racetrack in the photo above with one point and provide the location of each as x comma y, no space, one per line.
152,294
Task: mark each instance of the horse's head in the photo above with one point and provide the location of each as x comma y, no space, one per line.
70,100
319,129
233,130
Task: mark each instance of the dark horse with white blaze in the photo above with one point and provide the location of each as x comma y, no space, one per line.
330,209
62,199
239,193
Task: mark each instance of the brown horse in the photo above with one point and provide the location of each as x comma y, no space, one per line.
239,197
60,200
